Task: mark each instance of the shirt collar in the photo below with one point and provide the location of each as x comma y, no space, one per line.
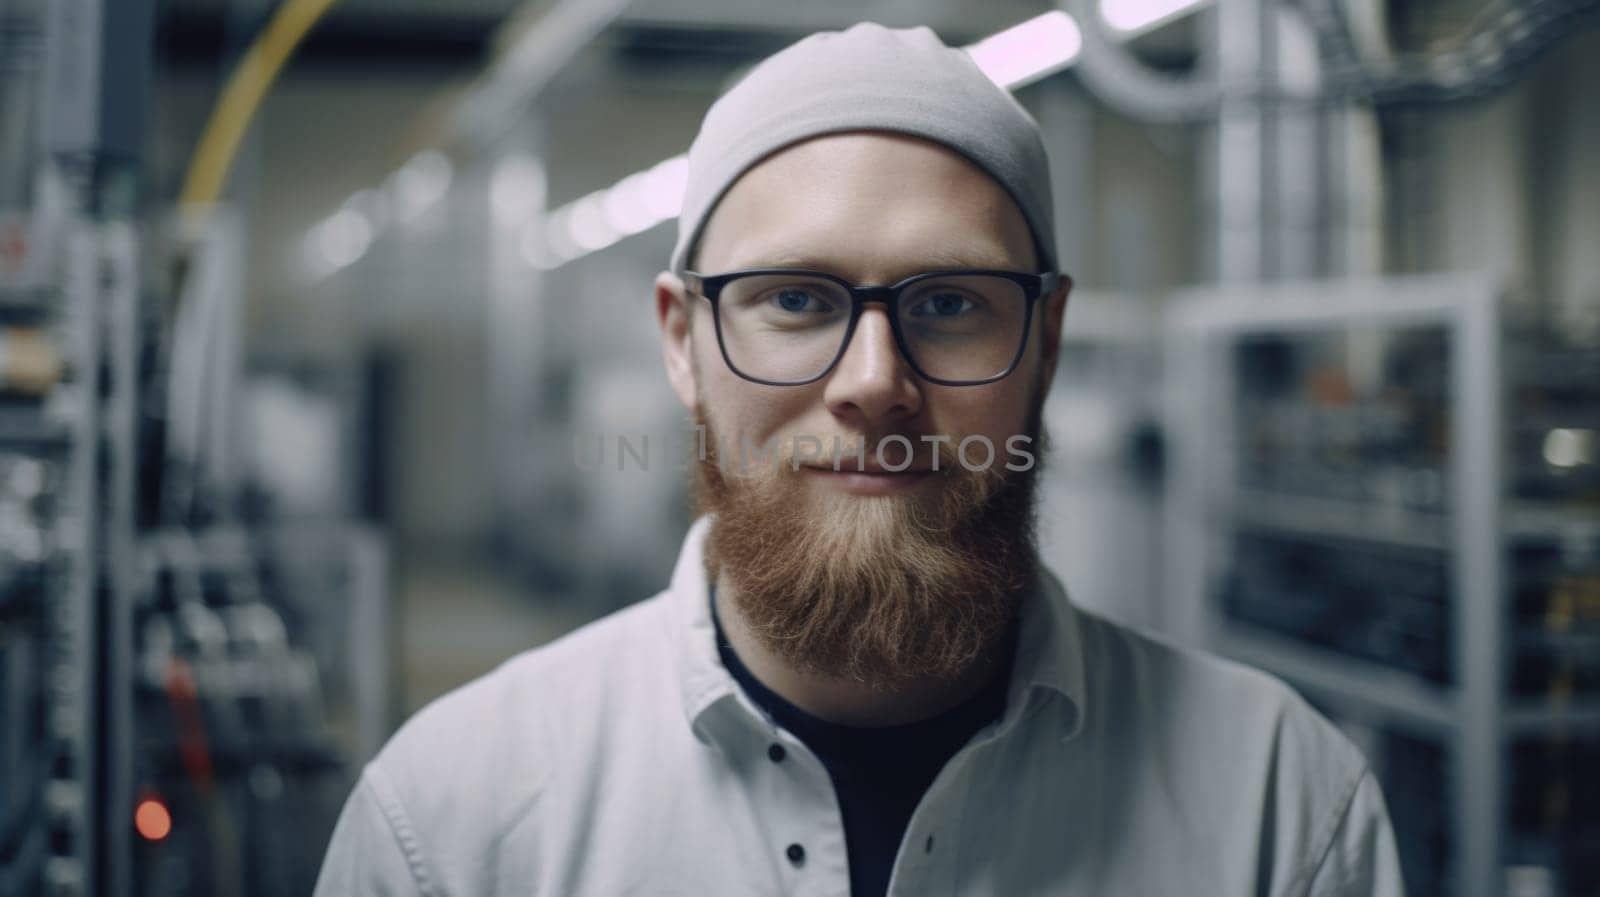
1049,647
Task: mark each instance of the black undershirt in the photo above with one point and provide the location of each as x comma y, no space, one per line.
879,773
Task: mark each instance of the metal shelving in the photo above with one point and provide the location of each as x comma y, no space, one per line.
1216,492
1337,517
1336,679
1551,713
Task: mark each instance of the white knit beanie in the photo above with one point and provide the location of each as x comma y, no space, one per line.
869,77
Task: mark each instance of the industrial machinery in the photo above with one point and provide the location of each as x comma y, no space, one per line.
187,683
1385,492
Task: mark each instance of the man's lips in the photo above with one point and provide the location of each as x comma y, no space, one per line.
868,480
867,469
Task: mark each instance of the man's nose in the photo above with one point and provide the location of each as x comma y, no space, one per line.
873,381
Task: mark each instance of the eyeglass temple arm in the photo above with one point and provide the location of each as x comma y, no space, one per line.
1048,281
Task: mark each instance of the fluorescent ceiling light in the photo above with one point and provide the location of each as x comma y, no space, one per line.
338,241
1016,57
664,187
1134,16
1013,58
587,224
1029,51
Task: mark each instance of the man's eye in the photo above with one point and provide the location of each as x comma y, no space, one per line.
943,305
799,300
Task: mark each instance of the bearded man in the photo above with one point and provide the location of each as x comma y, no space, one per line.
862,680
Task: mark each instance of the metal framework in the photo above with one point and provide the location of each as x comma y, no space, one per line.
1203,504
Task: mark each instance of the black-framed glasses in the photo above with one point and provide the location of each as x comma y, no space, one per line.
790,326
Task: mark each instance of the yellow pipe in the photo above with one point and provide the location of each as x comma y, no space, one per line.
230,119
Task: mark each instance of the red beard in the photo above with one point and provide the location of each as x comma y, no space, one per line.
876,589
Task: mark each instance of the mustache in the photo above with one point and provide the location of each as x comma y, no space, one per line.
887,452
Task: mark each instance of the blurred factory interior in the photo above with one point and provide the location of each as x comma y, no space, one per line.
309,313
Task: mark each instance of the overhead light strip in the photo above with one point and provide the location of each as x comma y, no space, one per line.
1016,57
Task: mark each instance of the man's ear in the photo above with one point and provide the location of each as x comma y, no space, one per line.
674,314
1055,311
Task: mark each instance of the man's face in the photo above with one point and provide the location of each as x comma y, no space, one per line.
872,208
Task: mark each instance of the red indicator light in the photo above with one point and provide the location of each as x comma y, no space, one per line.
152,819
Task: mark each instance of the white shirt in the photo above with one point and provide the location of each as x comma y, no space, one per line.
624,760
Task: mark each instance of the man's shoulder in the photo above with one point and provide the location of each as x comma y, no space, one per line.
498,738
1201,737
1204,709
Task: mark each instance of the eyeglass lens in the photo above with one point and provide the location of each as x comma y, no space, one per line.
788,327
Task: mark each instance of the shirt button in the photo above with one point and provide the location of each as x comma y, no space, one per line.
796,854
776,753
